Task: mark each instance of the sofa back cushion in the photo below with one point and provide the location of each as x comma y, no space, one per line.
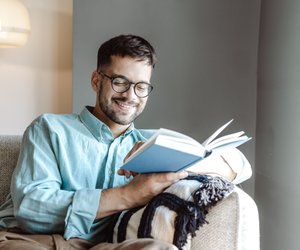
9,152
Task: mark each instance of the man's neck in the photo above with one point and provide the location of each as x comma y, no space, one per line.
116,129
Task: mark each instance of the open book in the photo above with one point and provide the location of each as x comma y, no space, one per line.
170,151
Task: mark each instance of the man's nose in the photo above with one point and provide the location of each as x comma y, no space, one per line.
130,93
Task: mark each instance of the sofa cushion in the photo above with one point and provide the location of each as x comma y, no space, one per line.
9,152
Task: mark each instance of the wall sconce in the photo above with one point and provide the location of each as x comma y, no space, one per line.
14,23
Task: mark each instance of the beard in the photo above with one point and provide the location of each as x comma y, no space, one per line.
119,117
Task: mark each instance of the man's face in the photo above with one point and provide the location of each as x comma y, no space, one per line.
121,108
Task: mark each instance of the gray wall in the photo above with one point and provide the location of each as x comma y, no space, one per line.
207,53
278,122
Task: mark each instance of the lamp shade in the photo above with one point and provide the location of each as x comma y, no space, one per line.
14,23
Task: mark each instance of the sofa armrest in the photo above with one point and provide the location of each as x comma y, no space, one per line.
233,225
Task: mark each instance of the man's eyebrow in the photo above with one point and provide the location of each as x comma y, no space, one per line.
126,78
118,75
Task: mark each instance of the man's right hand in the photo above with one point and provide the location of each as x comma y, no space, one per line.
138,192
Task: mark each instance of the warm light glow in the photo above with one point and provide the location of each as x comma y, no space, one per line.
14,23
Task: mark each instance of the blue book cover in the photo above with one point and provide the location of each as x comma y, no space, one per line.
158,158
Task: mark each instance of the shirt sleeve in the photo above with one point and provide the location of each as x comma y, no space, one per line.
216,163
239,164
42,204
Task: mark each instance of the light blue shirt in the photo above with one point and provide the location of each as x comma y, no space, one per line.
64,164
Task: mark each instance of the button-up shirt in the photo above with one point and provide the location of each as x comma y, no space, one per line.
65,162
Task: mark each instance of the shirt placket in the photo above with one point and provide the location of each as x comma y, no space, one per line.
110,166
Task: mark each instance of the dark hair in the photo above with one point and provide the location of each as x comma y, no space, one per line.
126,45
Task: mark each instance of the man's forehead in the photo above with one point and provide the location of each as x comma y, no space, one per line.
129,67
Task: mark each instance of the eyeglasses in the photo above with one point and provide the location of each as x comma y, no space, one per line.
120,85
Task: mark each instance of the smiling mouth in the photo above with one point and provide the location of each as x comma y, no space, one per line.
125,106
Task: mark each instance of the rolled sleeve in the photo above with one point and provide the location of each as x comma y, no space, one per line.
82,212
239,164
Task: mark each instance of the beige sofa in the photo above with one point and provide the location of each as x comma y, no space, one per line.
233,223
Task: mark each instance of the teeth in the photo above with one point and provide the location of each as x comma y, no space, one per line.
124,105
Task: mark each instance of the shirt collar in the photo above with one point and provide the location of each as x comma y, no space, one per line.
99,129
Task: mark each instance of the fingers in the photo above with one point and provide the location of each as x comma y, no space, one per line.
126,173
162,180
170,177
173,177
144,187
182,174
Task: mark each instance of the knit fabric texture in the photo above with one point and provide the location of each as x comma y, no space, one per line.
10,147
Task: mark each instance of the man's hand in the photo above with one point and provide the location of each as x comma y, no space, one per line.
145,186
136,193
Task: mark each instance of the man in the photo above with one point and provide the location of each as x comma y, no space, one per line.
67,180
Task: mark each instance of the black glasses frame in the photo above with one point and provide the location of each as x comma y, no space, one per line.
112,78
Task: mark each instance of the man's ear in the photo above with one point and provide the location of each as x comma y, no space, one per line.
95,80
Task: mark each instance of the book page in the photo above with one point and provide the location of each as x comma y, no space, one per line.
177,136
216,133
171,138
225,138
229,143
181,144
